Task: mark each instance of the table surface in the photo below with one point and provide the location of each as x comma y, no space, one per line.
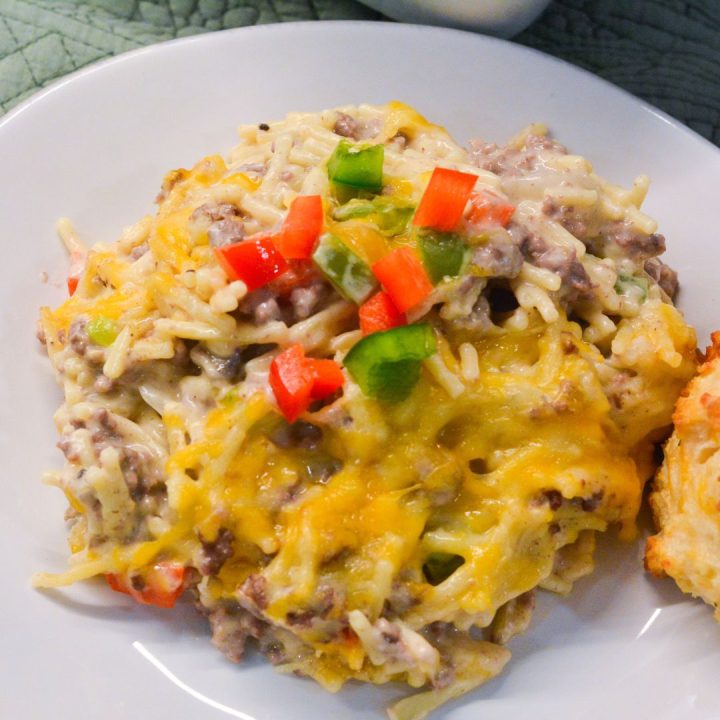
666,52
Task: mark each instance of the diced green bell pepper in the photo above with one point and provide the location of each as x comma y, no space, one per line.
391,215
351,276
386,365
439,566
443,254
359,166
230,397
629,284
102,331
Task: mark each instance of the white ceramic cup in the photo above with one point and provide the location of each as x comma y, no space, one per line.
503,18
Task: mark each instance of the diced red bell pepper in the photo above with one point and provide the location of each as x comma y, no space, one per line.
379,313
327,378
444,199
161,586
77,265
118,583
403,277
297,380
165,584
255,261
302,227
291,381
486,208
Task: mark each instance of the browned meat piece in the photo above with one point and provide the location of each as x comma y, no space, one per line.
347,126
216,552
478,321
69,448
77,336
553,498
468,310
400,600
591,503
305,299
545,255
319,608
231,628
230,368
298,435
663,275
254,590
498,259
262,305
560,260
505,160
295,295
272,649
142,475
226,232
225,223
105,433
577,279
633,243
543,142
215,212
567,216
512,618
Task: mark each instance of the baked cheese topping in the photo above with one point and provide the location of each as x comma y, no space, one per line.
360,391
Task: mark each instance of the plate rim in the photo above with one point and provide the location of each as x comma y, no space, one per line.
363,25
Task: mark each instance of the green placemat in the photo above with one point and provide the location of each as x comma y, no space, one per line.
664,51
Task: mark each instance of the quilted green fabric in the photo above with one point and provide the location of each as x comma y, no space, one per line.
42,40
664,51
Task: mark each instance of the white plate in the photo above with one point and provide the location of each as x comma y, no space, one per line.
95,147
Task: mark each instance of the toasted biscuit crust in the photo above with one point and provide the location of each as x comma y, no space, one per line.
686,495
